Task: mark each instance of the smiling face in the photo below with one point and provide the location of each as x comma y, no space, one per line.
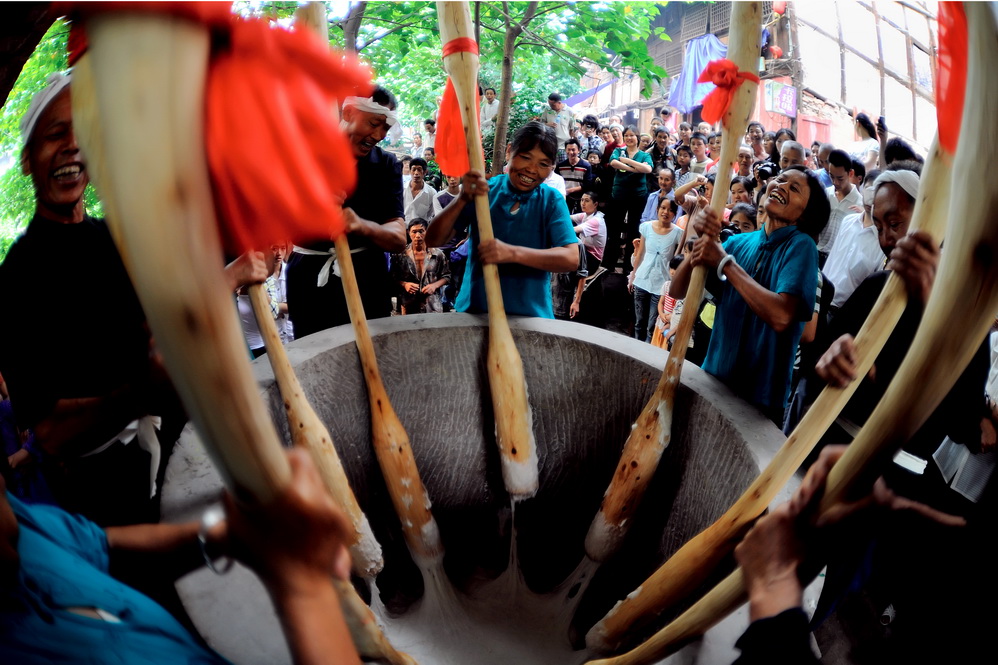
528,169
892,210
665,180
572,152
665,214
363,129
755,134
630,138
53,160
786,196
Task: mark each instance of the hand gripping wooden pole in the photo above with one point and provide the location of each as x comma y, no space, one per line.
514,421
652,431
138,96
309,432
690,566
958,315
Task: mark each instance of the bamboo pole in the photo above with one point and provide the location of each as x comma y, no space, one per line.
944,344
309,432
514,419
140,99
690,566
652,431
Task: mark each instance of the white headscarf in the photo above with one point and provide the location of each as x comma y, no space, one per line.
56,84
906,180
369,105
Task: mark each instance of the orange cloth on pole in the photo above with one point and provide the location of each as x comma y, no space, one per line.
279,164
725,75
951,80
451,144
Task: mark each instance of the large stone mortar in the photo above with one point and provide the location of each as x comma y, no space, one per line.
586,386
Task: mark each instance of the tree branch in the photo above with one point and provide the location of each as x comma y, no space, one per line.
382,36
505,13
528,15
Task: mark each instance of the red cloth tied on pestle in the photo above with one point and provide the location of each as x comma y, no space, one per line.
951,79
272,138
725,75
451,143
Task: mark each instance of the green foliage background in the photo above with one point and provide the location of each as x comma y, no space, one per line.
401,43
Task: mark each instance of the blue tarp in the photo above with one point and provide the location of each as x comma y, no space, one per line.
686,94
582,96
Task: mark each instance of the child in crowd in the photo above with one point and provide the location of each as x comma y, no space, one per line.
698,144
659,243
664,328
743,218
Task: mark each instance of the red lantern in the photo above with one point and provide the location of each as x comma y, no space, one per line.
775,51
779,7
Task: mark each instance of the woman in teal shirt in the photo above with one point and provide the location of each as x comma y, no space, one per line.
764,283
534,235
627,198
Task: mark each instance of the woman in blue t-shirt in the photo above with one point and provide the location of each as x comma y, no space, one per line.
533,232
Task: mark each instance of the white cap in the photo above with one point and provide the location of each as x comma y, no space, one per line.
57,83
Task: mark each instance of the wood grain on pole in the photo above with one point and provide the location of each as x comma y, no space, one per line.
310,433
513,418
947,338
144,86
652,431
690,566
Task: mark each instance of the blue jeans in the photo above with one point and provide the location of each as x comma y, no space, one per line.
645,313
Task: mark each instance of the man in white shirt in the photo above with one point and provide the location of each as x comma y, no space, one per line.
430,140
417,145
417,197
856,254
490,108
559,118
842,196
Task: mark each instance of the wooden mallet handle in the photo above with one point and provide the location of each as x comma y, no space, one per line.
514,421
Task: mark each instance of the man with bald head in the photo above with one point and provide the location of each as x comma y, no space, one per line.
374,224
792,154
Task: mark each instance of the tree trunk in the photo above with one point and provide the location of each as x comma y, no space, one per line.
351,26
506,86
478,23
502,117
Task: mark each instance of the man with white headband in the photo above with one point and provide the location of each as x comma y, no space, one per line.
79,366
374,224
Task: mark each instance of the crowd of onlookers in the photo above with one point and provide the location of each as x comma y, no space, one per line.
587,214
